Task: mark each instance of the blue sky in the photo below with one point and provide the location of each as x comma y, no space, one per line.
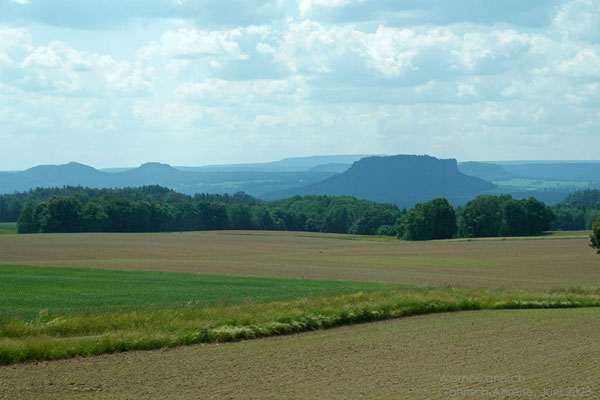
207,82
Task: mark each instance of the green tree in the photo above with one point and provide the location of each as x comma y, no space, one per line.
514,218
336,220
526,217
41,217
140,213
481,217
539,216
262,218
386,230
63,214
26,222
435,219
443,218
595,236
240,216
93,218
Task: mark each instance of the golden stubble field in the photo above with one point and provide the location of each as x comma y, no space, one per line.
411,358
509,264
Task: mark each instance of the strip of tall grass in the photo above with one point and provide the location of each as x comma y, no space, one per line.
89,335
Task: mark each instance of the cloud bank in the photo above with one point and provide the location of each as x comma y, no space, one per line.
214,82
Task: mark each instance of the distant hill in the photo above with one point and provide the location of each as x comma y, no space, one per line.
71,174
293,164
485,171
403,180
255,183
331,167
572,171
549,181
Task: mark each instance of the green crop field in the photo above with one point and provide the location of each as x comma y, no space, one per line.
30,292
53,313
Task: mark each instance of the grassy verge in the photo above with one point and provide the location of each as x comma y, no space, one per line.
87,333
8,228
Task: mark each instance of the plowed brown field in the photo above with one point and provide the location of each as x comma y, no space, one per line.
510,264
411,358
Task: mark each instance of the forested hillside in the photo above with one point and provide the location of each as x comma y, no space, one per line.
578,211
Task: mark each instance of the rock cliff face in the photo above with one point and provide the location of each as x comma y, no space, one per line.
403,180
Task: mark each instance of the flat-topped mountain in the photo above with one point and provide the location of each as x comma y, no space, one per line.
403,180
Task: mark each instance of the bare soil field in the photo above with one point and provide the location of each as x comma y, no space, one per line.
433,356
510,264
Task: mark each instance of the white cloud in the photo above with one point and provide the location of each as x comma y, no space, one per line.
60,68
586,63
14,42
245,92
303,83
494,114
194,43
465,90
578,19
393,51
306,6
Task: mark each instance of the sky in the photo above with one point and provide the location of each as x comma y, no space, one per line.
214,82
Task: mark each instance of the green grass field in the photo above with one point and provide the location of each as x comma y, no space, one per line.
54,313
30,292
8,228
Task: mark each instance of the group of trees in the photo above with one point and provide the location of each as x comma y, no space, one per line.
490,216
11,205
484,216
157,209
435,219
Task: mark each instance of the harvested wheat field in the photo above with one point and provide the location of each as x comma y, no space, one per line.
507,264
411,358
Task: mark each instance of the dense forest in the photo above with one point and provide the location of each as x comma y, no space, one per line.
158,209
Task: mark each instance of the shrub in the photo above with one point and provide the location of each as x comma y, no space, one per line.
595,237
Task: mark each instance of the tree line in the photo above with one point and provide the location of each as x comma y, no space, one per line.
158,209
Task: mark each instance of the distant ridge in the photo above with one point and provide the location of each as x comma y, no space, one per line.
485,171
402,179
292,164
191,182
